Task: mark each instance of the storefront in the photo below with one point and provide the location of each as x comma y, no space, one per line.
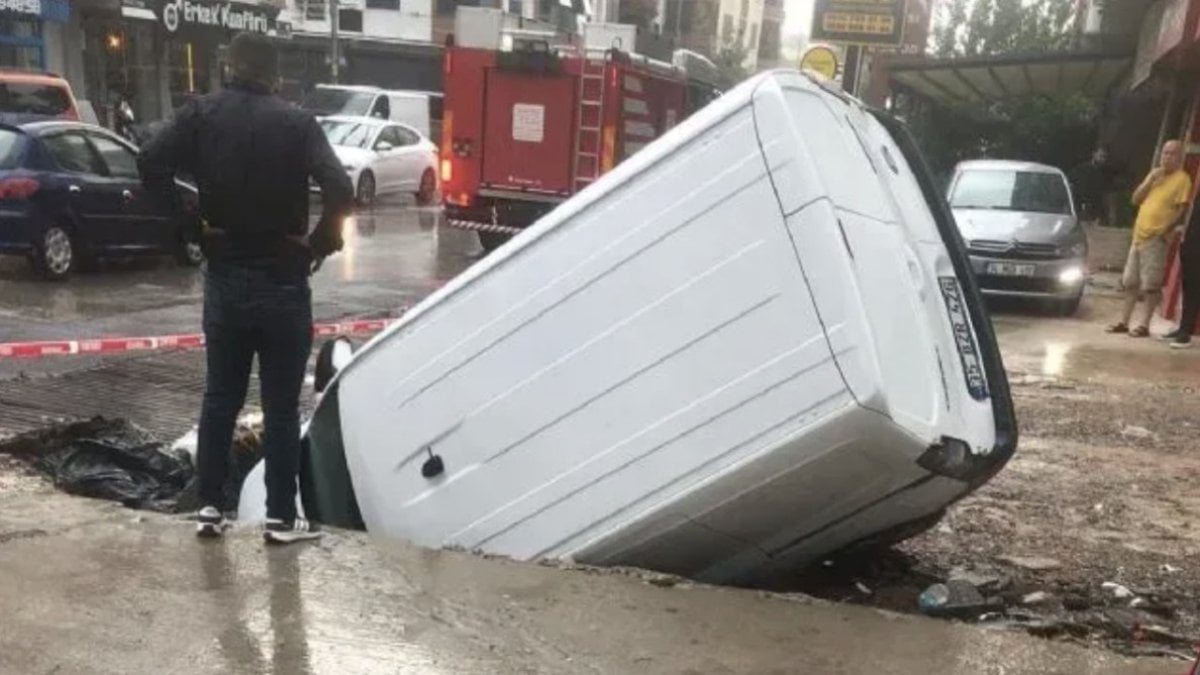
1168,59
157,53
27,29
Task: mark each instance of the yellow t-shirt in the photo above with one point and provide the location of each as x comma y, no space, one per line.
1158,211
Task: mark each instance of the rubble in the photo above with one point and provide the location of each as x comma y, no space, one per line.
115,460
957,599
1033,564
1036,598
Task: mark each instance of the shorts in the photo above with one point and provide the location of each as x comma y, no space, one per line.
1146,268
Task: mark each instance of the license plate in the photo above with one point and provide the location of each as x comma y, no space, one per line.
1002,269
964,339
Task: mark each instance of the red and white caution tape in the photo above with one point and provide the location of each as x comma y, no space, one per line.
482,227
29,350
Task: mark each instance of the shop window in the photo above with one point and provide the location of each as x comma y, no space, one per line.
350,20
316,10
383,4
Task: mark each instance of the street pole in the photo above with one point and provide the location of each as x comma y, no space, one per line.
335,51
851,69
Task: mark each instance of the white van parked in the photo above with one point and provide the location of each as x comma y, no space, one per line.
421,110
755,342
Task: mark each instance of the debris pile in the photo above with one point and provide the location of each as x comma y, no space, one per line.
115,460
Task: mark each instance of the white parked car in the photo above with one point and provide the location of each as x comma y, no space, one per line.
755,342
383,157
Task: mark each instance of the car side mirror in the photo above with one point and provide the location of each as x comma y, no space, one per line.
383,146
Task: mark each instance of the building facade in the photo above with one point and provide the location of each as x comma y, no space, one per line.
711,26
32,33
770,40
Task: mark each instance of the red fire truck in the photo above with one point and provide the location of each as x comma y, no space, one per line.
526,127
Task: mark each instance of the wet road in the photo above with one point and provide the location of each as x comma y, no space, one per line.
96,589
394,256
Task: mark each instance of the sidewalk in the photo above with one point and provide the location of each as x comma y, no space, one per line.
99,589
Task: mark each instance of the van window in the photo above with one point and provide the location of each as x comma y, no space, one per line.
382,109
329,101
33,99
412,110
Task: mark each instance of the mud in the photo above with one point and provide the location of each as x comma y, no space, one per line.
1104,486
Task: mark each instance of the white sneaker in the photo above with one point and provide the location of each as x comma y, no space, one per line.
281,532
210,522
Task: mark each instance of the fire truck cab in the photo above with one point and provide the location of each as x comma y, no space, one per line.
531,117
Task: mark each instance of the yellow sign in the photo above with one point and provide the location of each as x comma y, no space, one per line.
820,60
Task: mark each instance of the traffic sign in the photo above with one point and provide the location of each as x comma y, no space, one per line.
821,60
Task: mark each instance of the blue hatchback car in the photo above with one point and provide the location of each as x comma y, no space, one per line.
70,193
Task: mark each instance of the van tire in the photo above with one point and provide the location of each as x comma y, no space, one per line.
490,241
428,190
188,254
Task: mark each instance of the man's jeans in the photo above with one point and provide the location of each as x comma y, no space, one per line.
248,311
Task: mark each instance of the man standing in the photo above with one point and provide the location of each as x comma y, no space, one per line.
1189,268
1160,199
252,155
1091,181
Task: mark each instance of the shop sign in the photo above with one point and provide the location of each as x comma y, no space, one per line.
863,22
182,15
51,10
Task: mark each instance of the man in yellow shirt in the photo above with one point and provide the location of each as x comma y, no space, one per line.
1161,200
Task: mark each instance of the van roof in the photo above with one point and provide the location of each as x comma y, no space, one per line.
351,87
412,92
31,77
1006,165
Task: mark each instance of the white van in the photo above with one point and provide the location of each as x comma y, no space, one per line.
755,342
421,110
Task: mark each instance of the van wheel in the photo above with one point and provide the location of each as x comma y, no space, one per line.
189,254
490,241
54,254
364,193
428,191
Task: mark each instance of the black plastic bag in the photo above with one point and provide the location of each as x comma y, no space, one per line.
105,459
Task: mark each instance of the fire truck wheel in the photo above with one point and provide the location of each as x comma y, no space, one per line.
428,191
364,194
490,241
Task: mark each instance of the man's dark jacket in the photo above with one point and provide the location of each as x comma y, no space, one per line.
251,155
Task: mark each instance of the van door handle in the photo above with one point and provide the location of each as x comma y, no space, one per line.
74,189
127,196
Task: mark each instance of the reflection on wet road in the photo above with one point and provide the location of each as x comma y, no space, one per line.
394,255
1077,348
97,593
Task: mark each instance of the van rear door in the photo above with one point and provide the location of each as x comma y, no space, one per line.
875,262
528,125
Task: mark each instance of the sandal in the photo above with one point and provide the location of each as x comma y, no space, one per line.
1140,332
1118,327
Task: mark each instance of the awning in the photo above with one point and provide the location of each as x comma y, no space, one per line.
994,78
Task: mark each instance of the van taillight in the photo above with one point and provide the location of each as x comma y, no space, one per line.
18,188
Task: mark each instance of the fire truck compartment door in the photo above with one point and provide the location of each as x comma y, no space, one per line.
528,123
